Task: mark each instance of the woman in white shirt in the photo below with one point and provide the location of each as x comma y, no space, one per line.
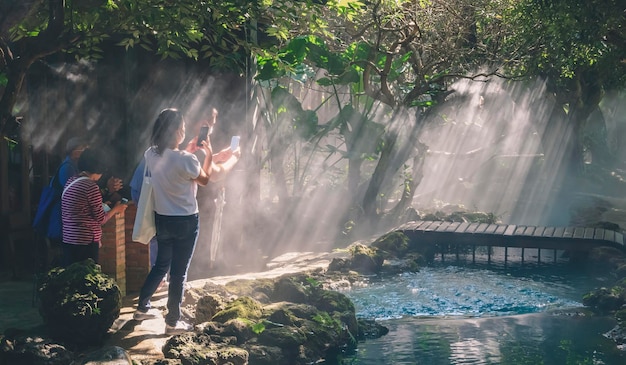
176,175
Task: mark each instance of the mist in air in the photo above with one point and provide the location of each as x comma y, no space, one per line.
488,150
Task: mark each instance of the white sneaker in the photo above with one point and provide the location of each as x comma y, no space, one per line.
180,327
150,314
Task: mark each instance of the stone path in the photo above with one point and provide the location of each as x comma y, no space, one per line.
143,340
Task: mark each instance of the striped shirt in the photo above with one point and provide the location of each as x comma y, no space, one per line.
82,212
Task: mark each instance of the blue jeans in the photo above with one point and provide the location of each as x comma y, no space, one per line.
176,238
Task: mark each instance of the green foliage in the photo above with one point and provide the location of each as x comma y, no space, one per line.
561,39
314,283
288,111
258,327
226,32
324,319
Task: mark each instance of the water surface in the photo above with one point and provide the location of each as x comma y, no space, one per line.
485,314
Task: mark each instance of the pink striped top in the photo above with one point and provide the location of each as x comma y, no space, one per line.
82,212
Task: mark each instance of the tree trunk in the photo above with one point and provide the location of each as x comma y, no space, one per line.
370,199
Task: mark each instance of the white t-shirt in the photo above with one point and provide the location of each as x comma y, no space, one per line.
173,184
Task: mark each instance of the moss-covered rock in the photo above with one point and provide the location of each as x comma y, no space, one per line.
371,329
207,307
259,289
365,259
265,355
295,288
79,303
301,323
244,307
285,337
606,300
392,245
339,264
194,348
24,349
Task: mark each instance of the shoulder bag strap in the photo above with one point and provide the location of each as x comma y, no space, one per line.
55,178
72,183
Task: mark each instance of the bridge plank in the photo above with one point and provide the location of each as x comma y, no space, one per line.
406,226
568,232
432,226
481,228
452,226
442,227
519,230
462,227
472,227
589,233
510,230
538,231
548,232
529,231
558,232
579,232
422,224
501,229
619,238
491,229
598,234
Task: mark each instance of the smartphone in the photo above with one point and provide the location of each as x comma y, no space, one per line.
234,143
124,201
204,133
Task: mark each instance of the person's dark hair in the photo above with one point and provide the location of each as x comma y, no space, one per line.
165,127
91,161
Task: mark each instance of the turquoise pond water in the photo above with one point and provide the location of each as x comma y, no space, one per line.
477,313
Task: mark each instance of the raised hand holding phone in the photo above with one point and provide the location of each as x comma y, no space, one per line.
234,143
207,129
203,135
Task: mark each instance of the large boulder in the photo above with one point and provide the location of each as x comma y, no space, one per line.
79,303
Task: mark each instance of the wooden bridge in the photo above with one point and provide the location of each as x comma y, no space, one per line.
455,234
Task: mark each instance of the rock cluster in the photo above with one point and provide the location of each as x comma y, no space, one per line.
288,320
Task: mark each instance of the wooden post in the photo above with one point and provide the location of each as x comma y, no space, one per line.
506,253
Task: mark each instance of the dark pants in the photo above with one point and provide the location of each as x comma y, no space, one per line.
75,253
176,237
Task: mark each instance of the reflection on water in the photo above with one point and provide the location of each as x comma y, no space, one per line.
484,315
522,339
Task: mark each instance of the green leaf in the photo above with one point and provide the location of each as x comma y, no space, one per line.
258,328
